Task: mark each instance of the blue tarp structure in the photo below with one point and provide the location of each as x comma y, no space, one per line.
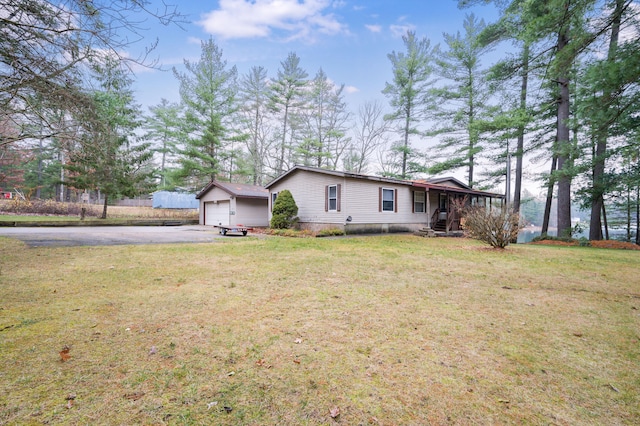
174,200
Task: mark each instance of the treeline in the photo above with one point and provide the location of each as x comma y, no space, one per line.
567,96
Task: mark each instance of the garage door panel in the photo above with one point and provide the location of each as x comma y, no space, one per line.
217,214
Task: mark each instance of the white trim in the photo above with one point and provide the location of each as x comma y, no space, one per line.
393,200
335,198
423,202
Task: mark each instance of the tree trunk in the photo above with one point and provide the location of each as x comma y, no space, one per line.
39,185
628,213
547,207
598,189
284,140
606,224
563,143
254,146
406,143
104,207
638,215
517,193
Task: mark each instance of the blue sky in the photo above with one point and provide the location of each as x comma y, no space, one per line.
349,39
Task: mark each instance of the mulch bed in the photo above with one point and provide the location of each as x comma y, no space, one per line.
609,244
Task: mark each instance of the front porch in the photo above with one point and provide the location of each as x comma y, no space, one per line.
444,203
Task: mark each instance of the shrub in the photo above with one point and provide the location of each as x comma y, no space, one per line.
284,211
496,228
330,232
294,233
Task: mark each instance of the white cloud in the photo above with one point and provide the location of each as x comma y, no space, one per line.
351,89
374,28
194,40
400,30
260,18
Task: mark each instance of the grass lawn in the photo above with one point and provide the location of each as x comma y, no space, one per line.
382,330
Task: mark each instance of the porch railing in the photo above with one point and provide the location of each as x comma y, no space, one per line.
434,217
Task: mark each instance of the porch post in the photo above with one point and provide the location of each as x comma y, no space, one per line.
448,211
428,208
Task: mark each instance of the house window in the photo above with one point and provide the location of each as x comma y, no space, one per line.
418,202
274,195
332,197
388,200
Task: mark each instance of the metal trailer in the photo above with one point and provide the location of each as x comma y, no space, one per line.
235,229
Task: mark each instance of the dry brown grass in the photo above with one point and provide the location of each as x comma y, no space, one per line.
46,210
148,212
391,330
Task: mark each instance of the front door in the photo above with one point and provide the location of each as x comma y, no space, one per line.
443,204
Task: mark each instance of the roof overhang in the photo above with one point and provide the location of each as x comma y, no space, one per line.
229,189
446,188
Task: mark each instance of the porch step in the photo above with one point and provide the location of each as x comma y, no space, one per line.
440,226
425,232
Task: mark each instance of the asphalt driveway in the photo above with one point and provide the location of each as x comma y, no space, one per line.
111,235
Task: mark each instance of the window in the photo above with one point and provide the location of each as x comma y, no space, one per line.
332,197
274,195
388,200
418,202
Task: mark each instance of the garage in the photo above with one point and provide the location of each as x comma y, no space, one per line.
216,213
233,204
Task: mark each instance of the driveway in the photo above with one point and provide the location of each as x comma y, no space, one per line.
112,235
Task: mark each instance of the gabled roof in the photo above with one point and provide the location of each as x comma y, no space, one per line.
239,190
436,184
443,181
337,173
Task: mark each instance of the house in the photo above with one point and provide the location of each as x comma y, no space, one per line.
233,204
371,204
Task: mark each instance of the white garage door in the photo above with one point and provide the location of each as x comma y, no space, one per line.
216,214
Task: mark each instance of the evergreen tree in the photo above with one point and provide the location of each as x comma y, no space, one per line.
324,123
109,157
254,95
163,126
408,94
283,214
208,91
285,100
463,98
609,86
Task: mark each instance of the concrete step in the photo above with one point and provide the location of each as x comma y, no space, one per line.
425,232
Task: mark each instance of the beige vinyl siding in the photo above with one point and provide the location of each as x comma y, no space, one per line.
215,194
251,212
359,199
363,203
308,190
242,211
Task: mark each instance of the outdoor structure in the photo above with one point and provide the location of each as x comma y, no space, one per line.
174,200
359,203
233,204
